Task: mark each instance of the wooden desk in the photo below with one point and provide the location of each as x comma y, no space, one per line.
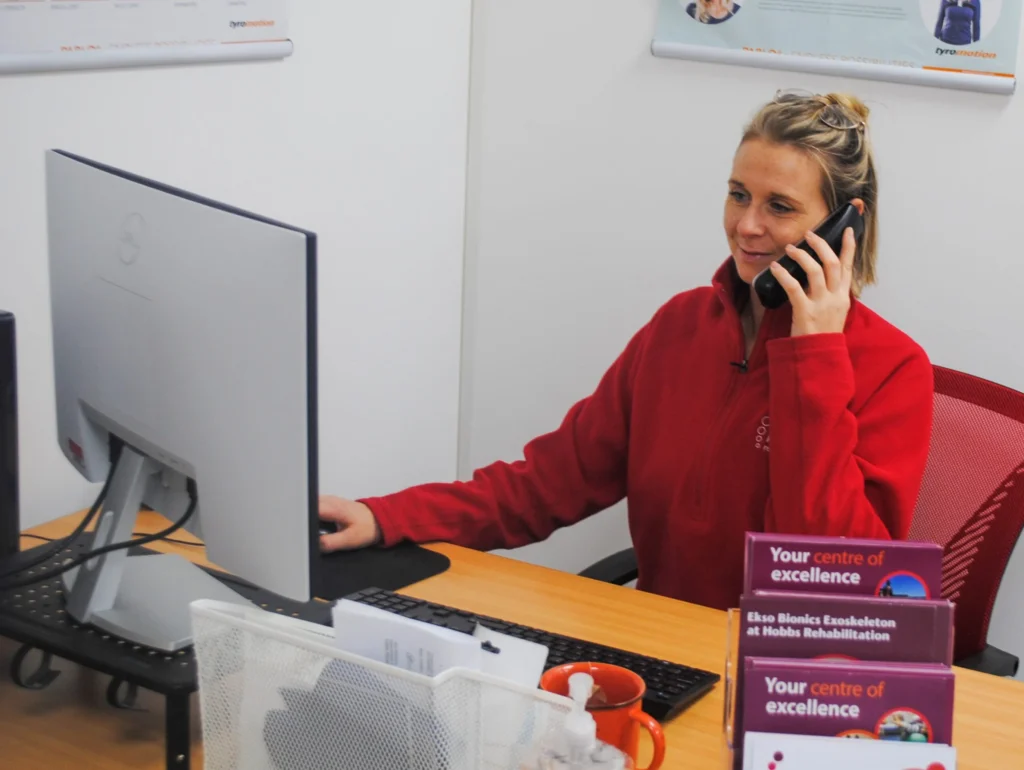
70,725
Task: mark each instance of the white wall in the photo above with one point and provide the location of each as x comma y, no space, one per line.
597,178
360,136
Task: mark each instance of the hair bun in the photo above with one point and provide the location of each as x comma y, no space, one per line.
852,103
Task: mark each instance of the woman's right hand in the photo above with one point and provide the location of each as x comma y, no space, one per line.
356,525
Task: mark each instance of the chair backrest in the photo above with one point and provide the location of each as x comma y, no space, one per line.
972,496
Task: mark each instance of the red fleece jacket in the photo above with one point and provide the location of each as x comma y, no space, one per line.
823,434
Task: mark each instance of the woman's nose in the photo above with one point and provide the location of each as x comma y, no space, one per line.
751,222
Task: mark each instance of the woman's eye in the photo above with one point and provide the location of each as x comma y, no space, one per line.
781,208
737,196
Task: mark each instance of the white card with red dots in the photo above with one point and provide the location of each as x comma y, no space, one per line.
776,751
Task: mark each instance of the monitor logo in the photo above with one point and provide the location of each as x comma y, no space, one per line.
76,452
129,243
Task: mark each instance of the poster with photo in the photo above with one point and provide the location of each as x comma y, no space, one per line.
966,44
40,35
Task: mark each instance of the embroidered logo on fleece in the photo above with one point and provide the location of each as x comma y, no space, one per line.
762,440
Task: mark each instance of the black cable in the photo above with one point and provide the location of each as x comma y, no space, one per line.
78,562
171,540
62,543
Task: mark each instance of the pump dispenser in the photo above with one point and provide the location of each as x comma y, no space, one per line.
575,746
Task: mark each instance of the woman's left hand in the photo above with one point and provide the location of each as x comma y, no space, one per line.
822,309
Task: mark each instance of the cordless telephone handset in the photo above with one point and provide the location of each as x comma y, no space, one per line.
770,291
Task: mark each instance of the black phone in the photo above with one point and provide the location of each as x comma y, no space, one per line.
768,288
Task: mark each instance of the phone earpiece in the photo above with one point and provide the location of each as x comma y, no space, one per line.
770,291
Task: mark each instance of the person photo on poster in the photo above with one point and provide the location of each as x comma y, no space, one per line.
712,11
959,22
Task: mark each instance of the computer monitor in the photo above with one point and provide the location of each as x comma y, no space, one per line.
185,344
187,330
9,505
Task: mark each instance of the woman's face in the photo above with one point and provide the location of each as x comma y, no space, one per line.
774,199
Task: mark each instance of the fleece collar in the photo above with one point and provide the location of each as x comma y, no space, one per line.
735,294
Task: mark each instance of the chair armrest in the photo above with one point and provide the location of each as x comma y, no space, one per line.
992,660
619,568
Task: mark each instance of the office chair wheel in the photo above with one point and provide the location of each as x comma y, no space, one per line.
43,675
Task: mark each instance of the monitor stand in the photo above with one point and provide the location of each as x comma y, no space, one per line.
141,599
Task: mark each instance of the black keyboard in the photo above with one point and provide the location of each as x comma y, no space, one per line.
671,687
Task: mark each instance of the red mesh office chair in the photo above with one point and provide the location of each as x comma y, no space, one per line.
971,503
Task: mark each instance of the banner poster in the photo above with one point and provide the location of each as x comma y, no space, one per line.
46,35
944,43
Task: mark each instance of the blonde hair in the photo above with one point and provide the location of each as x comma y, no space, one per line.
831,128
703,10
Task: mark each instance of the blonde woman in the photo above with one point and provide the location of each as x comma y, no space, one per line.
722,416
712,11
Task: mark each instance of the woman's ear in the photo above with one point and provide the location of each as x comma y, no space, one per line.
859,205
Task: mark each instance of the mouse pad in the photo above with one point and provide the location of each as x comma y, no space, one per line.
342,573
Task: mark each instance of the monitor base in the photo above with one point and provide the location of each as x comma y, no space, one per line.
140,599
151,607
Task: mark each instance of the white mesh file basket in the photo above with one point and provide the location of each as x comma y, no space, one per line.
275,694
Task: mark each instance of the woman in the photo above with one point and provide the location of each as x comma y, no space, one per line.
720,416
712,11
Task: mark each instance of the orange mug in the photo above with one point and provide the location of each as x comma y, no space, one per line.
617,706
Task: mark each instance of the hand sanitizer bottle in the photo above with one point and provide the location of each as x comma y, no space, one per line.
575,746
